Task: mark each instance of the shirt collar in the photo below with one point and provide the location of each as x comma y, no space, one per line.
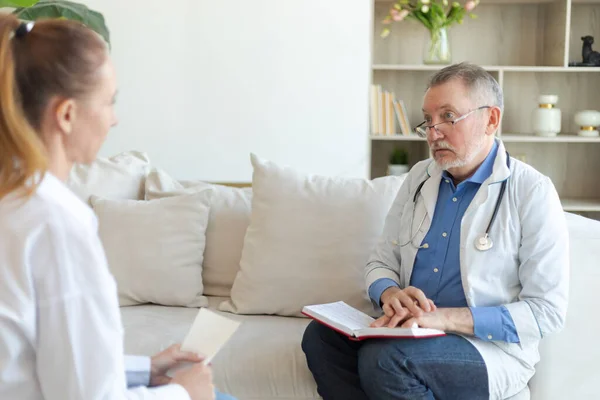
485,169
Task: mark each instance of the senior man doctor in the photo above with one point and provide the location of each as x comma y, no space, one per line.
475,244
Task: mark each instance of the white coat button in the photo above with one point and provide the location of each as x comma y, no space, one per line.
444,234
395,242
454,199
436,270
426,246
447,181
490,337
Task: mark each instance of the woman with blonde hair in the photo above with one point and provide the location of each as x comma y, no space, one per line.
60,327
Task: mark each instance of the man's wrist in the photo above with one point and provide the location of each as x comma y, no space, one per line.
458,320
449,325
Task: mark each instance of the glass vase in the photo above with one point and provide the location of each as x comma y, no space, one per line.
437,47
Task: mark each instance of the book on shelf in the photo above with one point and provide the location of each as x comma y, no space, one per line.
374,114
387,113
390,123
401,116
355,324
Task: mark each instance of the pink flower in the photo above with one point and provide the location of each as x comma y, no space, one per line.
470,5
400,16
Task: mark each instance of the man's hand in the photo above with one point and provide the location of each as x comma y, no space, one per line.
167,359
437,319
456,320
401,304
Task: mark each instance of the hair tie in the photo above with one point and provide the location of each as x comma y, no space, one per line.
24,29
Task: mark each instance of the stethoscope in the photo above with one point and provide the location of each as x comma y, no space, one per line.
482,243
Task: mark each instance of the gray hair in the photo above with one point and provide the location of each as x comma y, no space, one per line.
482,86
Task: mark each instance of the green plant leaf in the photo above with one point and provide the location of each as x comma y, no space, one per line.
17,3
68,10
423,18
399,156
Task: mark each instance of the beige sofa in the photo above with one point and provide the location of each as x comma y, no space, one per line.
263,360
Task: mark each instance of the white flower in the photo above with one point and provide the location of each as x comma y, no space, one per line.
424,9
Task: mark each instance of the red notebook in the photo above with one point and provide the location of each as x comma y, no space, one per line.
353,323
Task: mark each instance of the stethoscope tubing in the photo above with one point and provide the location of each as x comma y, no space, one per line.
486,237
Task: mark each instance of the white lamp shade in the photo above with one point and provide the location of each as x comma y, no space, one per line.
587,118
548,99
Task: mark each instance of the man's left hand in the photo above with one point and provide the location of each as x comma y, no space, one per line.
434,320
167,359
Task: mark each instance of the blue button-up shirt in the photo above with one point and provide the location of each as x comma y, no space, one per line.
437,268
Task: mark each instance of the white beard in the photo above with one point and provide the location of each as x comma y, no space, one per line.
473,149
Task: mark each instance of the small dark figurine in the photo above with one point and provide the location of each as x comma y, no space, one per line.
590,56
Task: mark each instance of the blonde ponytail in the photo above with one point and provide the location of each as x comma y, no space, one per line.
55,58
23,158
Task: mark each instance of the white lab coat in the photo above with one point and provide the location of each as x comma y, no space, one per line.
527,269
61,336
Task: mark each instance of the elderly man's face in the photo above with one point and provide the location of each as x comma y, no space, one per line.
453,146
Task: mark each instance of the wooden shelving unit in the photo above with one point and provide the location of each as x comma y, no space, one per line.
527,46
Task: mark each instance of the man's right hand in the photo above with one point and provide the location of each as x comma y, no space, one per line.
401,304
197,381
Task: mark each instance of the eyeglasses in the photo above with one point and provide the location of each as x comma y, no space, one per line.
440,127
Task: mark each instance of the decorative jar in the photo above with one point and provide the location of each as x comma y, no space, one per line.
546,119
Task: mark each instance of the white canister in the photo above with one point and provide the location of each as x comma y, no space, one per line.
546,118
588,122
397,169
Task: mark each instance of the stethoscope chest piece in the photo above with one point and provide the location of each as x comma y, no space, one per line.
484,243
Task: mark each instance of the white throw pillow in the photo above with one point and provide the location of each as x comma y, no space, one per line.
227,224
155,248
119,177
308,241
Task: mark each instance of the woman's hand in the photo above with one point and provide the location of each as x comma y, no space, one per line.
167,359
197,381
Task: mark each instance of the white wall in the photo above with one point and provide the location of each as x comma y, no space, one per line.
205,82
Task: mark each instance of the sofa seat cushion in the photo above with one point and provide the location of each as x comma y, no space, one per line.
262,361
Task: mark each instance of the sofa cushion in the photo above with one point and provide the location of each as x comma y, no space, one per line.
308,241
262,361
569,360
154,248
119,177
227,224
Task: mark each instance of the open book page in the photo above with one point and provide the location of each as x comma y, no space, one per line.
339,315
353,322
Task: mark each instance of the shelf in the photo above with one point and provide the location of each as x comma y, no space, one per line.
561,138
401,138
524,2
490,68
585,1
506,137
570,204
